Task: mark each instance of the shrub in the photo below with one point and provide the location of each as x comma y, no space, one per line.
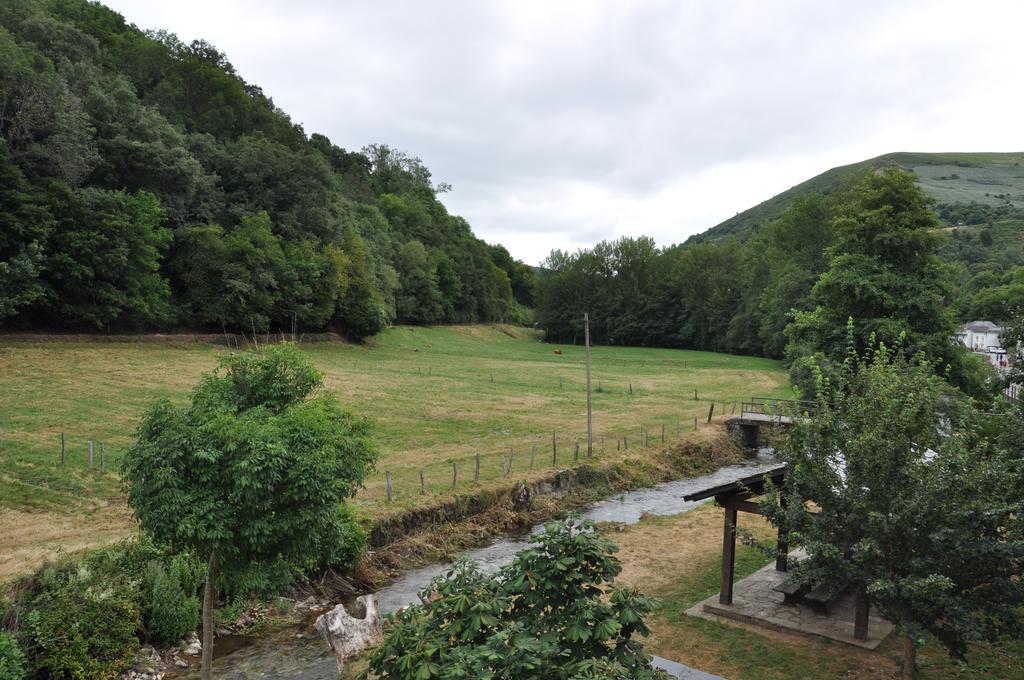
552,613
80,631
172,612
12,660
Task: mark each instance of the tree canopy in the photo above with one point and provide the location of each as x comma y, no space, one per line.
147,185
898,490
253,470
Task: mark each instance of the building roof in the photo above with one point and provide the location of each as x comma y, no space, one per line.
981,327
754,483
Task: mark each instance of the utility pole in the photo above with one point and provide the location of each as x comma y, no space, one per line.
590,406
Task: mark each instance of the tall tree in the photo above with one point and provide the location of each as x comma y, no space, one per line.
895,491
254,468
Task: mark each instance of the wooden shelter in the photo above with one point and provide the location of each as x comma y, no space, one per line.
735,497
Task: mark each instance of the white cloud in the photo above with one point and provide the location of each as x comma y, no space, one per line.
560,124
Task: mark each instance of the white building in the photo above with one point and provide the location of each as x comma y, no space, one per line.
980,335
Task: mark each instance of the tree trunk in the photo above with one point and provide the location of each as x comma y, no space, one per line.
208,603
909,657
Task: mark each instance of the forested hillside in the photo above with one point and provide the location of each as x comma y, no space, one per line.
144,184
989,181
873,248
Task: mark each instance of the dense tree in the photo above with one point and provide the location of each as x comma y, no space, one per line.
553,613
253,469
894,491
88,101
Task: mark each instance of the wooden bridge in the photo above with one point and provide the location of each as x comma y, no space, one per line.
762,411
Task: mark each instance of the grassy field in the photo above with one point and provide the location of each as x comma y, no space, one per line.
435,395
678,560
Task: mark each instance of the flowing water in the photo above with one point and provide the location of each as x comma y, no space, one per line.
298,653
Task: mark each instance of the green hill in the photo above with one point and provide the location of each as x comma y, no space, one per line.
990,179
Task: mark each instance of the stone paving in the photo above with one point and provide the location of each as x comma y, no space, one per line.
755,602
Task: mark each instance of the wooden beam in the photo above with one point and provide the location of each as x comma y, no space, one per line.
728,555
782,544
745,506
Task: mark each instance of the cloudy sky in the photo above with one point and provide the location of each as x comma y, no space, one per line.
560,124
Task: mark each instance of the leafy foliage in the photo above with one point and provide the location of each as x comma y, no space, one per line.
897,491
146,184
12,660
552,613
254,467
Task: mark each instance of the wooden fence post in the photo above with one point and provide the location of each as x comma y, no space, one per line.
625,443
631,388
423,484
503,475
455,474
533,456
663,433
576,452
561,386
511,456
711,411
90,454
554,449
695,422
62,448
103,459
476,472
387,477
695,395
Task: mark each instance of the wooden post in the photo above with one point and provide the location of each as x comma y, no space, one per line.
103,459
590,411
554,449
631,388
782,545
734,407
695,422
90,454
533,456
503,473
423,484
576,452
476,472
711,411
602,443
663,433
62,448
728,555
695,395
511,456
618,444
561,386
455,474
387,476
625,443
860,621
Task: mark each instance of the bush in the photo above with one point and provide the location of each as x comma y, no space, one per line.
172,612
82,632
12,660
348,543
552,613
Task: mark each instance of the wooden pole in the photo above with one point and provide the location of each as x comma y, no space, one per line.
631,388
533,456
554,449
90,454
511,456
455,474
663,433
387,476
576,453
103,459
711,411
695,395
62,448
728,555
590,404
860,621
423,484
695,422
625,443
476,472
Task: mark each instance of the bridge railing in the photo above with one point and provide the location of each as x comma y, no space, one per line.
780,407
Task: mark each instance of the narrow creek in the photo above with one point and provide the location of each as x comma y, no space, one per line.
297,652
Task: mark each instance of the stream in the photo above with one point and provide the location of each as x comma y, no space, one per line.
298,653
